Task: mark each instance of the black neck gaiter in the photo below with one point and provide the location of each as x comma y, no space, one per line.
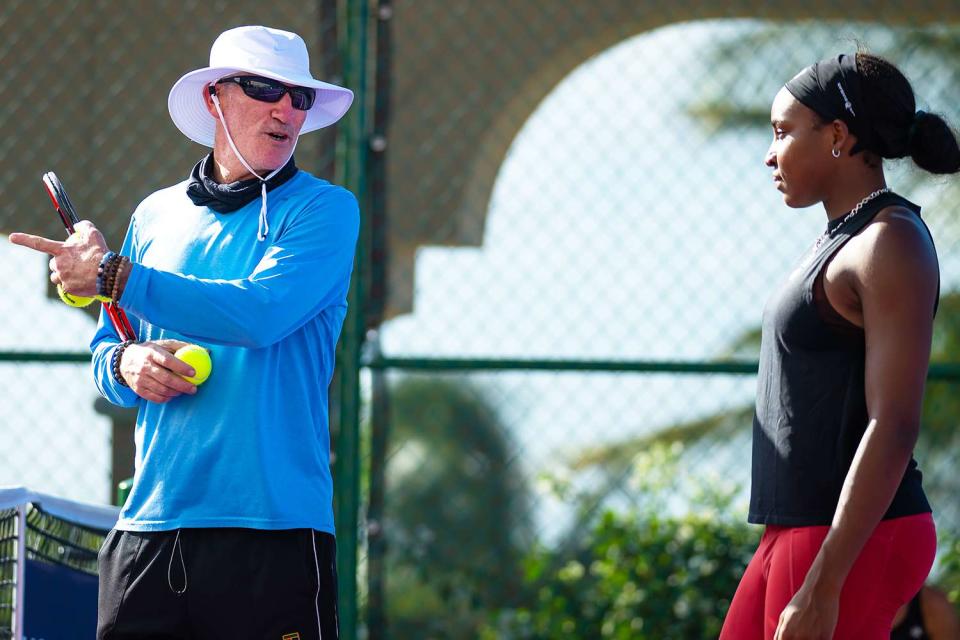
204,191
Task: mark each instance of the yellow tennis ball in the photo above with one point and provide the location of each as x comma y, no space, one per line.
198,358
72,300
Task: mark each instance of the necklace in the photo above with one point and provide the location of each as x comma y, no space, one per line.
830,231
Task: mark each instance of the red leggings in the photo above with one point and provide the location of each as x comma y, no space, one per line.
890,570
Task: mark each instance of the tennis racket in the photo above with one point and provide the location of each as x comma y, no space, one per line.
68,216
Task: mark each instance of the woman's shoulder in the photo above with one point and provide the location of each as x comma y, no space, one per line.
892,259
895,235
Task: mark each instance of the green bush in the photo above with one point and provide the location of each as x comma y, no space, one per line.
645,573
948,573
639,577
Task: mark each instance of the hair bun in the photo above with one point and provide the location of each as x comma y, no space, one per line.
933,145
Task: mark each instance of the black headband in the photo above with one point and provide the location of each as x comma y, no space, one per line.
831,87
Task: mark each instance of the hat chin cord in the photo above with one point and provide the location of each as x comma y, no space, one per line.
262,227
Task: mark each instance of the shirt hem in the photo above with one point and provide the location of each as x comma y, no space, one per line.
221,523
822,520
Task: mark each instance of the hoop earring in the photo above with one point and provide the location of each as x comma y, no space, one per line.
835,153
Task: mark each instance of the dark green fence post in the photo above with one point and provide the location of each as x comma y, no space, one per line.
351,155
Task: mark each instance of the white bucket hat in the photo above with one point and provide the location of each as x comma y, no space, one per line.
262,51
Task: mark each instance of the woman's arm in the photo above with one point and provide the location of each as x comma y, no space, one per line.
894,275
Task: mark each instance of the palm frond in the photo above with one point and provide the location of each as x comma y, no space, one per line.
624,451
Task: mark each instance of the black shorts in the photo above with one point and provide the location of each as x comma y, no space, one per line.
207,584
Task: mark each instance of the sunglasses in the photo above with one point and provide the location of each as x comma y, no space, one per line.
268,90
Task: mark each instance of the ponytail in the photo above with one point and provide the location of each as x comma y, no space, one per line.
899,130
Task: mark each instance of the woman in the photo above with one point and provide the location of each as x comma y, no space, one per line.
846,344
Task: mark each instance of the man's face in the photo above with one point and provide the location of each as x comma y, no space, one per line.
264,132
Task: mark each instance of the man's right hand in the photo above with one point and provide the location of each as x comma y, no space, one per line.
153,372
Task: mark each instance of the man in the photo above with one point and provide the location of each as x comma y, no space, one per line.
228,529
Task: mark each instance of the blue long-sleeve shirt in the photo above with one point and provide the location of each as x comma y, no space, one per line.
251,447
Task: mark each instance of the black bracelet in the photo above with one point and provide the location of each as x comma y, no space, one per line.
115,361
115,292
102,271
111,273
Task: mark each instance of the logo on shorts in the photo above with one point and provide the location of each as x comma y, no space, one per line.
291,636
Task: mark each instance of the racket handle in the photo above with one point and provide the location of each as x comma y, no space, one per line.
115,321
120,322
128,328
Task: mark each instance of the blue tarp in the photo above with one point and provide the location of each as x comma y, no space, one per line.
60,603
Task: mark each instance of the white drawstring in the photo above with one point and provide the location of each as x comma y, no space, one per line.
262,227
177,547
316,564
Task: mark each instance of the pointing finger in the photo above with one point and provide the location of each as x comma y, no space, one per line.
37,243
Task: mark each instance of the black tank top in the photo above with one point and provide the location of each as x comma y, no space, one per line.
811,408
911,627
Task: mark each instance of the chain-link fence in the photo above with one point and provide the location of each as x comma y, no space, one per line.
579,236
569,237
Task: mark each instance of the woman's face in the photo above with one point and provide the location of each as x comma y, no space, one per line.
800,154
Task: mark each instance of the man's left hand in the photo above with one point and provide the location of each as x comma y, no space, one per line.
75,262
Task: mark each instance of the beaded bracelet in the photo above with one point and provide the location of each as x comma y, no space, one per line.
115,292
111,277
102,272
108,274
115,361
